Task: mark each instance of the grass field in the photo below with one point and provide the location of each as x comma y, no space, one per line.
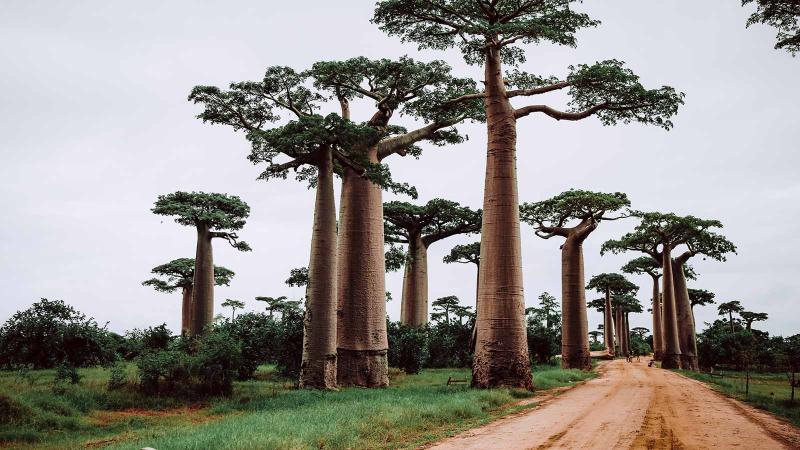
768,391
263,413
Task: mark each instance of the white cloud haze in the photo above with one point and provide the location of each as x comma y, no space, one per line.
94,124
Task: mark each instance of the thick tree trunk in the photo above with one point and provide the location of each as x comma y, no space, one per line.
618,331
501,355
361,286
608,325
627,329
203,284
575,323
658,333
414,306
474,337
672,349
318,367
683,311
186,311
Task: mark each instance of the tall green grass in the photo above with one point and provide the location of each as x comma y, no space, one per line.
263,413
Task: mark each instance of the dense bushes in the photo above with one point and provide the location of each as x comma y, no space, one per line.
209,370
742,349
50,333
408,347
258,335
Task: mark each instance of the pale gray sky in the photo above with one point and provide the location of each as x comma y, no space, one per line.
94,124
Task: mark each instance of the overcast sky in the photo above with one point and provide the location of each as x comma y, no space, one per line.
94,124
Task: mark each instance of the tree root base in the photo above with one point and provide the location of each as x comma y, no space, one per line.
364,368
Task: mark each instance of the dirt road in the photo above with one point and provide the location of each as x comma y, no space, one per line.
632,406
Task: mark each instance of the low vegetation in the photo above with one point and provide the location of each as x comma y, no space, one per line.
39,411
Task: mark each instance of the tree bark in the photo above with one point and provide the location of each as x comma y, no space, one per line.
361,287
608,325
618,321
627,331
474,336
575,322
414,306
318,367
672,349
501,355
658,333
186,311
203,283
683,310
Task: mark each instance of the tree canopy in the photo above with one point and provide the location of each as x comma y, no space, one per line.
749,317
179,273
642,265
700,297
434,221
606,89
613,283
550,217
667,228
782,15
298,277
464,253
221,213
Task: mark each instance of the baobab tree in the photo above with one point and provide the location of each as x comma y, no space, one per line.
419,227
594,334
749,317
179,274
488,34
640,331
273,303
422,91
699,297
610,284
213,216
444,306
553,217
784,15
233,305
669,231
728,308
627,304
314,147
468,254
648,265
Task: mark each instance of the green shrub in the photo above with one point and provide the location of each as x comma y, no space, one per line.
409,347
289,352
210,370
51,332
259,336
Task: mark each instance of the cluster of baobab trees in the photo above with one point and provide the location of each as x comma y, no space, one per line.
300,121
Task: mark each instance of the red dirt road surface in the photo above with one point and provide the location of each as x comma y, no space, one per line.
632,406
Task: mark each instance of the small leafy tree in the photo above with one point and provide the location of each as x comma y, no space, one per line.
468,254
233,305
700,297
728,308
749,317
553,217
443,306
783,15
273,303
213,216
419,227
179,274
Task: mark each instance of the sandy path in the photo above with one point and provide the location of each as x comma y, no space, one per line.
633,406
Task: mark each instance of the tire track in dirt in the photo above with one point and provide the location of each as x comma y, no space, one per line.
632,406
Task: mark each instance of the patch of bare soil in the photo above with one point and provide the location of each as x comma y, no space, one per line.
632,406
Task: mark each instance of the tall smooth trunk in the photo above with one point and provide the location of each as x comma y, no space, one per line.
683,310
672,349
608,325
627,333
186,311
618,331
203,284
474,336
414,306
575,321
361,287
658,333
318,367
501,355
